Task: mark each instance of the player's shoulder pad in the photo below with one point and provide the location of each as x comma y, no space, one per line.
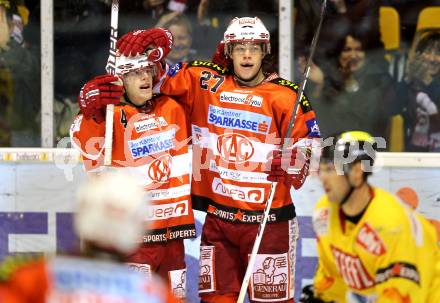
305,103
12,263
208,64
174,69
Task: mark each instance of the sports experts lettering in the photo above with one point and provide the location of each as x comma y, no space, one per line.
163,237
239,215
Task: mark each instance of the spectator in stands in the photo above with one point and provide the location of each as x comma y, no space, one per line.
341,17
355,91
81,43
409,11
181,29
147,13
19,88
420,95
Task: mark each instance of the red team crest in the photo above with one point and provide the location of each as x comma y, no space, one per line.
160,169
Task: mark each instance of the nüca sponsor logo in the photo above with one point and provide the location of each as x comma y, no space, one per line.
234,148
166,211
240,193
244,99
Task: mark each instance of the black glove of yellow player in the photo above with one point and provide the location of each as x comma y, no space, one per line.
308,296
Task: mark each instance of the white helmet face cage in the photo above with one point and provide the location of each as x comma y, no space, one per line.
246,29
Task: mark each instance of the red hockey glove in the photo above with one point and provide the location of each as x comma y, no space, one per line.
96,94
298,160
219,56
136,42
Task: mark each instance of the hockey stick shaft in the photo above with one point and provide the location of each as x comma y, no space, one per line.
251,263
305,77
287,140
111,69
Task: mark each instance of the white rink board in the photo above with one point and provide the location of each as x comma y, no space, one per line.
37,191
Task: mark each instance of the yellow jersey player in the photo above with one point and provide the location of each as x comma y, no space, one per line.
371,248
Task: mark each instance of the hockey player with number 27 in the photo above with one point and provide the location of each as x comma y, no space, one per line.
238,117
150,142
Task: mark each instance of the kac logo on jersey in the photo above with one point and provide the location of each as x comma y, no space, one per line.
313,128
160,169
244,99
146,146
239,119
234,148
174,69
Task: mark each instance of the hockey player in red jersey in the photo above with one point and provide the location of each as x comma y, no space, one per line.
150,142
109,221
371,248
238,117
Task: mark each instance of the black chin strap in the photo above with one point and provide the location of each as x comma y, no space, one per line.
350,191
348,194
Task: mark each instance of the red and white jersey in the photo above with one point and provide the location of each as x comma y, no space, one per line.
153,148
73,279
234,129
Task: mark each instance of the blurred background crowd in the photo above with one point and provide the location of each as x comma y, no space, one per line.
377,65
